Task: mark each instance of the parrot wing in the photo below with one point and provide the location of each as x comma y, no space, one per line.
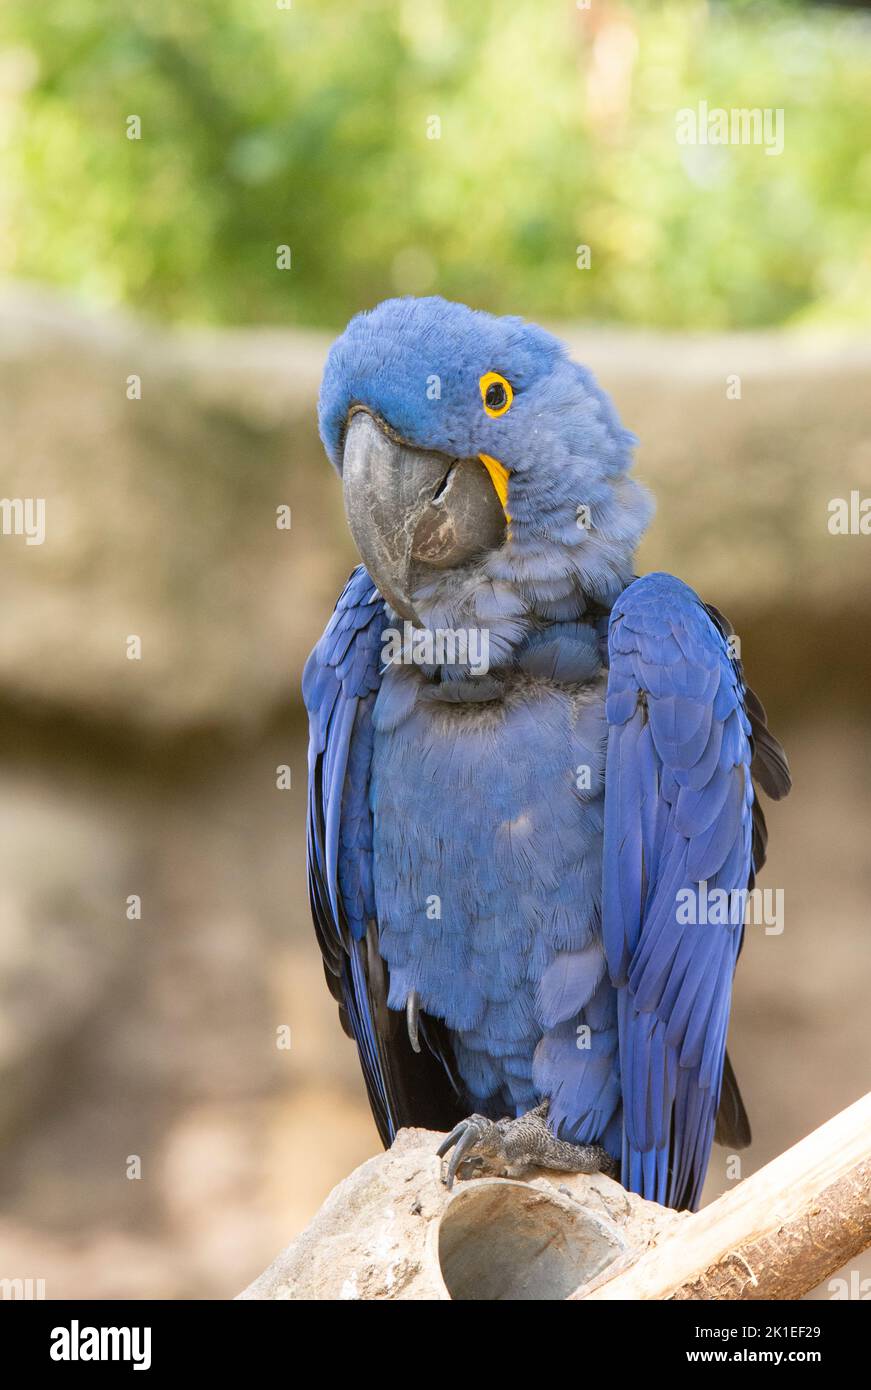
680,812
340,683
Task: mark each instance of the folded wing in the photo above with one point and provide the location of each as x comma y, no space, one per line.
679,829
340,683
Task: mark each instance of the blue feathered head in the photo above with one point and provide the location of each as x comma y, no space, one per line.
473,445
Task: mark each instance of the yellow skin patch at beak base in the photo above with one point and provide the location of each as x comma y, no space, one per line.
499,479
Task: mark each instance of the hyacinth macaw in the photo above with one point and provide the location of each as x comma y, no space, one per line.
498,848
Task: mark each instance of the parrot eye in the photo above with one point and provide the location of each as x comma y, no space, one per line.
496,393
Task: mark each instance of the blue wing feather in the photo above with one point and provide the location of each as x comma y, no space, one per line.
339,684
341,680
678,811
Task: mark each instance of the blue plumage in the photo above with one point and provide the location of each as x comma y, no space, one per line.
502,853
680,799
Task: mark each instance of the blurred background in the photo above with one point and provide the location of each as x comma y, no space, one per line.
193,201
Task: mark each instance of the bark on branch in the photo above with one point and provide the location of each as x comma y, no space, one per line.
776,1235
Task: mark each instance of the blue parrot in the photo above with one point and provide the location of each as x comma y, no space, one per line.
524,763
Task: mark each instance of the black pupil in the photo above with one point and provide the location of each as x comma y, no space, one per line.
496,396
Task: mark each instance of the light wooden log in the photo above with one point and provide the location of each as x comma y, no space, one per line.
776,1235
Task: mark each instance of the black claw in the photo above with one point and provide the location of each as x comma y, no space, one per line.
451,1139
468,1139
412,1012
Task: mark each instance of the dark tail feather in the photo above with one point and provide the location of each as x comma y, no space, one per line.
733,1126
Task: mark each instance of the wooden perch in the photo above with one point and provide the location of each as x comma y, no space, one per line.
392,1231
776,1235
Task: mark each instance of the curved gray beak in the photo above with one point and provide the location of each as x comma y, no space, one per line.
412,512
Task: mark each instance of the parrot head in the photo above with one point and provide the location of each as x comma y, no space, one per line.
471,448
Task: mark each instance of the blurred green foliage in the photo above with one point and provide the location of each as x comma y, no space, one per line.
308,126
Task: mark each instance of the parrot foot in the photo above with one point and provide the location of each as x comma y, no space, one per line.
522,1143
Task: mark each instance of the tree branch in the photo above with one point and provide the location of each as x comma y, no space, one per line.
777,1235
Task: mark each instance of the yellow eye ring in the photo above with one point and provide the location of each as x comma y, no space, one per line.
496,393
